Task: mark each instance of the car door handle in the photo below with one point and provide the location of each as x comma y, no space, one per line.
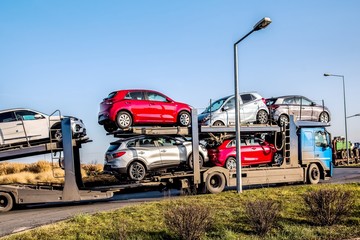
254,148
19,124
141,152
163,151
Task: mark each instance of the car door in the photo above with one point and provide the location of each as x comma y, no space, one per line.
251,152
306,108
293,106
228,112
172,152
162,110
147,150
136,103
11,129
36,125
248,108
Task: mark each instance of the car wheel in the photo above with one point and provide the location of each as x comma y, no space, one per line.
123,120
283,120
215,182
110,127
6,202
262,117
218,123
278,159
313,174
191,162
230,163
324,117
137,171
56,134
184,118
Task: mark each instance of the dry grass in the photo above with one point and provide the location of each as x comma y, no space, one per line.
41,171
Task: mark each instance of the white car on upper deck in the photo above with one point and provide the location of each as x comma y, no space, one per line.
22,125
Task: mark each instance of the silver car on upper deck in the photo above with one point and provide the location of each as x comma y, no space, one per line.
222,111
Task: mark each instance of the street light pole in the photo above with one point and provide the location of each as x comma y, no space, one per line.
345,118
263,23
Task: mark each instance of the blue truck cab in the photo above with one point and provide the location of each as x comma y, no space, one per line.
315,151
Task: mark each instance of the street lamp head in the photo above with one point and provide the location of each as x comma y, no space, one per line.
327,74
263,23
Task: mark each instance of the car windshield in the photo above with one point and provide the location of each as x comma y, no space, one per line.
215,105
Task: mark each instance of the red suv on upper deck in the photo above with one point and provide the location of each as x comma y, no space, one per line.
124,108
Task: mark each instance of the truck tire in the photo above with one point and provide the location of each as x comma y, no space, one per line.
313,174
215,182
6,202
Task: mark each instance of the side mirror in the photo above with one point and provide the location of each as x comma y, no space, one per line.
225,108
38,116
178,142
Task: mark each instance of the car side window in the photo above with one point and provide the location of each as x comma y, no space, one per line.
26,115
247,97
305,102
135,95
289,101
147,142
156,97
131,144
230,104
166,141
7,117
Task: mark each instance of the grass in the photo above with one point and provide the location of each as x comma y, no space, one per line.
42,171
146,221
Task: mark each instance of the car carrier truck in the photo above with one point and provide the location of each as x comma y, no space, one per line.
340,154
305,146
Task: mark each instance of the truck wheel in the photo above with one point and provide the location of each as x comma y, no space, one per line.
184,118
123,120
262,117
343,154
137,171
191,162
215,182
313,174
6,202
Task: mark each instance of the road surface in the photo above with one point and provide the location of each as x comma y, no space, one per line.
34,216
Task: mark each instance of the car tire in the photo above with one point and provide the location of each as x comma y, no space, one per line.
6,202
184,119
56,134
191,162
218,123
215,182
278,159
124,120
110,127
283,120
313,174
262,117
230,163
324,117
136,171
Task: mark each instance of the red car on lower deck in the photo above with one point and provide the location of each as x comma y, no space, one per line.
254,151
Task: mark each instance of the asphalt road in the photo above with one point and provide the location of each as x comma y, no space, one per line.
33,216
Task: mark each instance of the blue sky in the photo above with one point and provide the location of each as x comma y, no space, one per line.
69,55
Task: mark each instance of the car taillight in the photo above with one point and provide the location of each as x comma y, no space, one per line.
118,154
108,102
264,100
